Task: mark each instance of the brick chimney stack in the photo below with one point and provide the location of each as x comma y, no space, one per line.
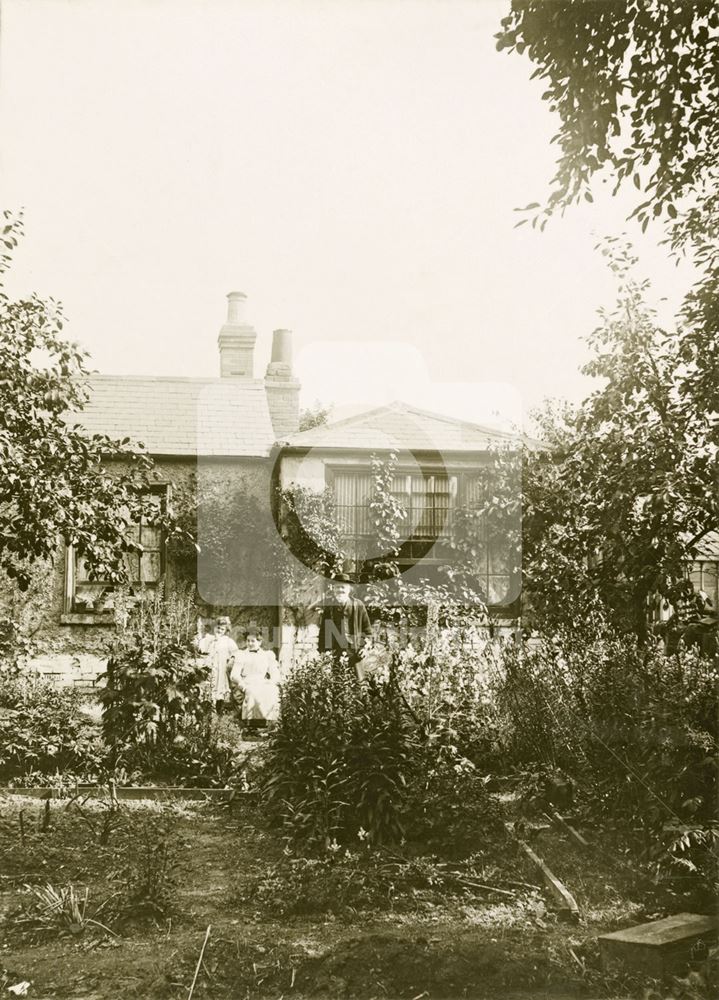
283,390
237,340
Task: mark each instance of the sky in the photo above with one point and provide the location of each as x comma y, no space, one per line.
353,167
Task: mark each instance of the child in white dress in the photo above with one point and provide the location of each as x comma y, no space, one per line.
221,650
255,680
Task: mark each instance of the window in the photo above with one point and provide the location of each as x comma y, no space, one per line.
352,491
92,599
431,501
704,575
428,501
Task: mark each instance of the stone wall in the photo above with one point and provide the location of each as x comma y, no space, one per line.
80,671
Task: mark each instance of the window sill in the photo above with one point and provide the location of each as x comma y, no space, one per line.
87,618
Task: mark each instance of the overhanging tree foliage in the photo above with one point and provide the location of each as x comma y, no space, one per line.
635,84
615,513
56,480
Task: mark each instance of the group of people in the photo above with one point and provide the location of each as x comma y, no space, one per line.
249,679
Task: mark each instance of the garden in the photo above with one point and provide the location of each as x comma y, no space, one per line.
475,813
373,845
468,819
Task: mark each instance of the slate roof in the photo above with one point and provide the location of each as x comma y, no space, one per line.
181,416
708,547
404,427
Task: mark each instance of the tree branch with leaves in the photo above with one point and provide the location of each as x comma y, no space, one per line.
58,482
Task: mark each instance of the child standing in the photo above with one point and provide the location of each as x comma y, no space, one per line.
221,650
255,680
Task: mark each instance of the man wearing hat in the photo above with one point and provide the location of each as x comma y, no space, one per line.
345,624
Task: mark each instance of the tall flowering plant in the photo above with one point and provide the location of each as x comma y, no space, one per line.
154,684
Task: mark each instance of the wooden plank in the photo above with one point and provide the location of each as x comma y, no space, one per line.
568,907
567,904
152,792
660,948
567,828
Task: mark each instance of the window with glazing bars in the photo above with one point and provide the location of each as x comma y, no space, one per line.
144,569
704,574
428,501
495,556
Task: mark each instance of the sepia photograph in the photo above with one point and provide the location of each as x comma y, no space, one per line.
359,499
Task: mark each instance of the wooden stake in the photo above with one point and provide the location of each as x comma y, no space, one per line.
45,825
199,961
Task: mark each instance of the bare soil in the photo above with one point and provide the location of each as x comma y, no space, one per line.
427,945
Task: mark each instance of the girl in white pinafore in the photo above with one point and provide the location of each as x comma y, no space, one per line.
255,678
221,650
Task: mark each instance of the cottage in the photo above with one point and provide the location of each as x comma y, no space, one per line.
229,442
222,447
203,434
437,463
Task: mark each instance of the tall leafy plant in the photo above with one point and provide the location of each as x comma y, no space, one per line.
383,759
637,729
155,687
339,764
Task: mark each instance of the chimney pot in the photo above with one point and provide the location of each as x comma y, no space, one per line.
283,391
236,340
282,348
236,307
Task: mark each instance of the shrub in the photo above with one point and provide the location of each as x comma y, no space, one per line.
634,729
341,757
378,758
148,852
43,731
205,755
